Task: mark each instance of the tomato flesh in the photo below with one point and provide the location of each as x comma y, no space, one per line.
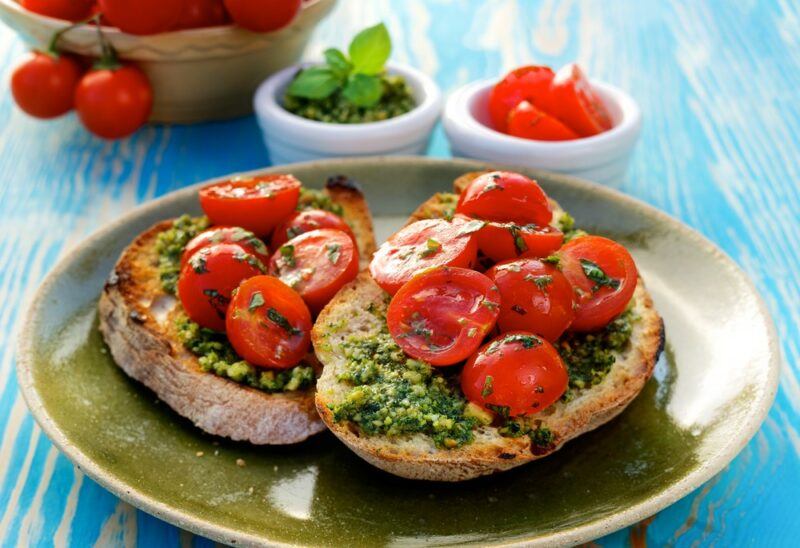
268,324
535,297
504,196
305,221
573,101
529,83
258,204
603,276
528,122
316,265
502,241
442,315
234,235
517,373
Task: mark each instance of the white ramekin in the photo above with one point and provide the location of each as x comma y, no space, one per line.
291,138
603,158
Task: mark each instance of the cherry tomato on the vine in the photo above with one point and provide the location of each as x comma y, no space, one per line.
44,84
114,102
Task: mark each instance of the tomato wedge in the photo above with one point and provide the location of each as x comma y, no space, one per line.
442,315
573,101
316,265
504,196
528,122
603,276
305,221
515,374
535,297
529,83
502,241
257,204
209,277
268,323
226,235
421,245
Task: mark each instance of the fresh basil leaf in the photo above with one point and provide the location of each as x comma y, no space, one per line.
370,49
363,90
314,83
338,63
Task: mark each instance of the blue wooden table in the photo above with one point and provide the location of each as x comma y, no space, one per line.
718,84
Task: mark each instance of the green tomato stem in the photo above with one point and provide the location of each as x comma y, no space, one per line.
52,47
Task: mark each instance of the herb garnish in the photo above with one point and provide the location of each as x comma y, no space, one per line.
598,276
287,252
334,251
256,300
488,390
280,320
432,247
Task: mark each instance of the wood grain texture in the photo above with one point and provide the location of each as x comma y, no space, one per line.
717,82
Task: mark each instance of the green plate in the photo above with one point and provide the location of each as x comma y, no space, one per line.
710,392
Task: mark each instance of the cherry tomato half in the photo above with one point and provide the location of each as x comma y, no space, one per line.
44,84
530,83
305,221
528,122
504,196
202,13
226,235
257,204
208,279
516,373
262,15
316,265
69,10
268,323
501,241
442,315
114,103
142,16
573,101
421,245
534,296
603,276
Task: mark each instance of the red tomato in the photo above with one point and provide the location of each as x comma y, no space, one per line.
573,101
202,13
515,374
268,323
528,122
257,204
504,196
603,275
529,83
70,10
501,241
421,245
226,235
114,103
305,221
207,280
442,315
316,265
262,15
534,296
44,84
142,16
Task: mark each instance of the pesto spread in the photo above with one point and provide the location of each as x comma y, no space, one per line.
316,199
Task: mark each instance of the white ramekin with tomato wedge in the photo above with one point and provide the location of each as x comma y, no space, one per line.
485,334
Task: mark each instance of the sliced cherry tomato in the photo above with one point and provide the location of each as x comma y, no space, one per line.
268,323
226,235
258,204
603,276
142,16
504,196
501,241
69,10
515,374
114,103
305,221
535,297
530,83
202,13
421,245
442,315
316,264
528,122
207,280
44,84
573,101
263,15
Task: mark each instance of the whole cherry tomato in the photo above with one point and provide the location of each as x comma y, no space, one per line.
305,221
44,84
202,13
262,15
573,101
528,122
142,16
530,83
226,235
504,196
114,102
69,10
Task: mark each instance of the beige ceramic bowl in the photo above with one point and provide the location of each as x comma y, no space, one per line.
198,74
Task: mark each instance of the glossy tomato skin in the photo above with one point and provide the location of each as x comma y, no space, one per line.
527,374
442,315
421,245
263,15
529,83
142,16
114,103
573,101
529,122
535,297
234,235
268,324
44,85
257,204
306,221
602,299
202,13
208,279
316,265
502,241
69,10
504,196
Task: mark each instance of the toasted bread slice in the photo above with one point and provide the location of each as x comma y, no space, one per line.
416,456
137,320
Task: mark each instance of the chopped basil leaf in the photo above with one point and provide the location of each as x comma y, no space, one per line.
256,300
280,320
598,276
334,252
287,252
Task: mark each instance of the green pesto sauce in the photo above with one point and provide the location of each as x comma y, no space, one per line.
397,99
169,246
316,199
